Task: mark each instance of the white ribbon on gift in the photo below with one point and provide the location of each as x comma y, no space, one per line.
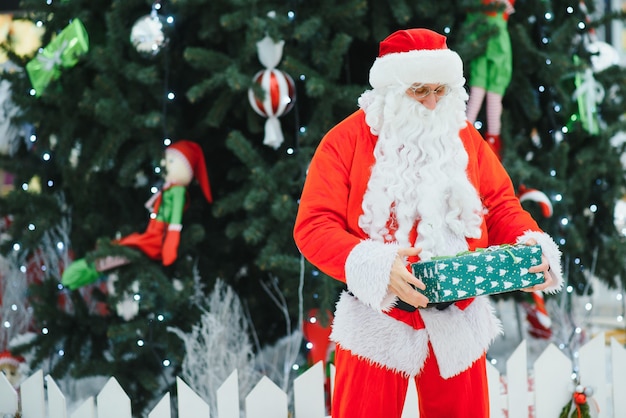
49,63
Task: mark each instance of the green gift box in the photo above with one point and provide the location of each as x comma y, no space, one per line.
63,51
485,271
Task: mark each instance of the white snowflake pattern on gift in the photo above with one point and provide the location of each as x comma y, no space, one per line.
479,272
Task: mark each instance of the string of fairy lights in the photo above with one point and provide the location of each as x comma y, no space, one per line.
149,37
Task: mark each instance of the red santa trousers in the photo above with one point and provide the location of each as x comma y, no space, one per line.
366,390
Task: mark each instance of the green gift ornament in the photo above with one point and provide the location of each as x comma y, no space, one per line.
63,51
486,271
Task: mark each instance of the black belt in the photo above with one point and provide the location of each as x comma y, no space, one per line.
410,308
400,304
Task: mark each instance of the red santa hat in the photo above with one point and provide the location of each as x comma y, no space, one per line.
192,153
6,358
416,56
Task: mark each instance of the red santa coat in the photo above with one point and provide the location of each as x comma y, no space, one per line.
328,235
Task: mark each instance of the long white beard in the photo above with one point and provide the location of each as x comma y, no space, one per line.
419,174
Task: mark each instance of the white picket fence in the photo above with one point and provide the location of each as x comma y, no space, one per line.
600,368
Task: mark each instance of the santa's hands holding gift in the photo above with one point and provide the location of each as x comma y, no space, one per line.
402,283
444,280
544,267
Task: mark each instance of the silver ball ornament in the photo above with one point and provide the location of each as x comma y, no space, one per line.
147,34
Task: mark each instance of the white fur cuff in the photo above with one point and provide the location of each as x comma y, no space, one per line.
552,253
367,273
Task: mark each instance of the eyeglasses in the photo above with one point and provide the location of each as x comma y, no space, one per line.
422,91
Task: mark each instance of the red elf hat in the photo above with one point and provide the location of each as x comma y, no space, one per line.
192,153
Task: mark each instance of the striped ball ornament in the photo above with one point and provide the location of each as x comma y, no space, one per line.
280,92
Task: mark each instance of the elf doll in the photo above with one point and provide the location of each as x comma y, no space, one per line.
11,367
183,162
490,74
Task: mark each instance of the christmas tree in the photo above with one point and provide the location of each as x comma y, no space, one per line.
85,155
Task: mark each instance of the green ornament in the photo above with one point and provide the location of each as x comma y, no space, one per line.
63,51
588,94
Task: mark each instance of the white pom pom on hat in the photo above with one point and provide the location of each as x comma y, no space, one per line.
419,55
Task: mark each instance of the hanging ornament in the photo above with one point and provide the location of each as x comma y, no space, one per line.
10,131
6,182
34,185
127,306
25,37
539,322
603,56
525,194
20,36
147,34
535,137
579,406
619,216
278,88
64,51
588,94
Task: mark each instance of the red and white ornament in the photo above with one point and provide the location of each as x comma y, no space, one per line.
279,91
538,196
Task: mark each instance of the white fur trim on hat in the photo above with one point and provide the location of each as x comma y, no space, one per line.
552,253
420,66
367,273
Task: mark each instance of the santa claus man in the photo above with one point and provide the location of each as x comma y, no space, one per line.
404,178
